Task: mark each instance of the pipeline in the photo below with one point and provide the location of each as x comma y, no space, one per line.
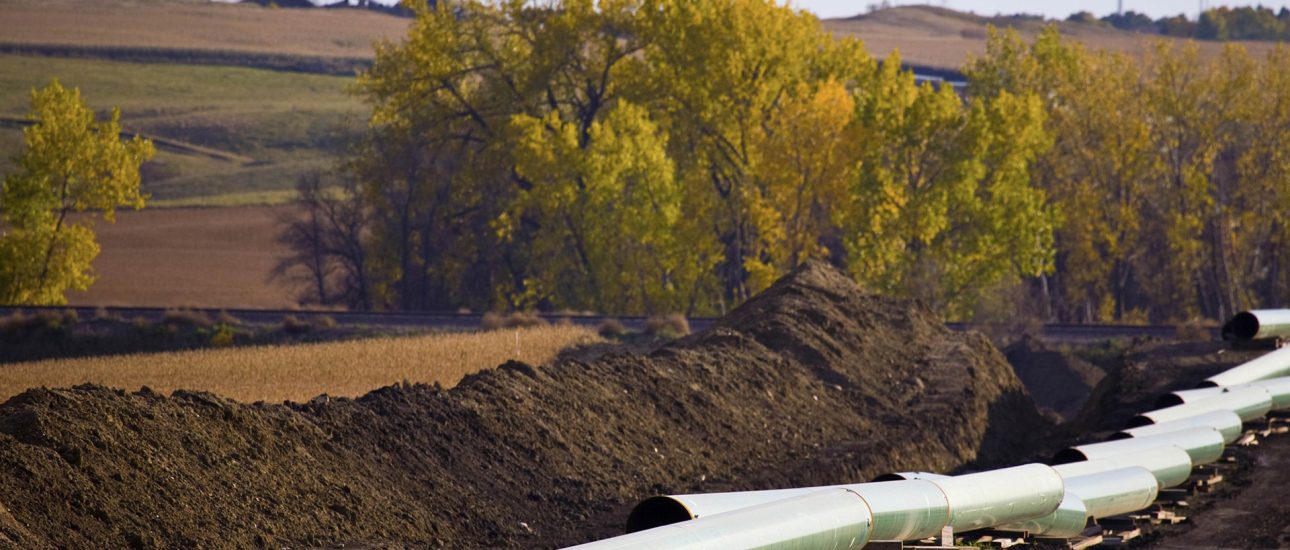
1157,450
1258,324
1227,423
906,509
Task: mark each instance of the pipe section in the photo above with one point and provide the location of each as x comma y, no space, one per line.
1182,397
1226,422
1002,496
902,510
1269,365
1067,521
1203,445
1114,492
1170,465
1258,324
1248,402
831,518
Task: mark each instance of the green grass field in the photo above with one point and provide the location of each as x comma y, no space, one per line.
251,131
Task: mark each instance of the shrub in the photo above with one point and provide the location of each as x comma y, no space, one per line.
492,321
226,318
524,319
667,326
325,321
186,318
223,336
102,314
611,328
293,325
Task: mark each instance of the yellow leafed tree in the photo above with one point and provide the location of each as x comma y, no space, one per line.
72,163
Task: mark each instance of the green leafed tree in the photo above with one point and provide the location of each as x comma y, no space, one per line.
73,169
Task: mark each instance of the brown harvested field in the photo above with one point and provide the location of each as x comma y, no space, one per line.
197,257
942,38
198,25
300,372
928,36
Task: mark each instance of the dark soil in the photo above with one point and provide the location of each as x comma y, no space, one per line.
811,382
1058,381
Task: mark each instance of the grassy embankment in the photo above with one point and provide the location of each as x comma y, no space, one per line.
301,372
227,135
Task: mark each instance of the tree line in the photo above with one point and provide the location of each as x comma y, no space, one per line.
647,156
1221,23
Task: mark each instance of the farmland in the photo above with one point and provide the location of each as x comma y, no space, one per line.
222,130
945,39
217,257
178,24
303,371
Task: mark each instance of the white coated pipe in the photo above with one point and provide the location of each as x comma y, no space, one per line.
902,510
1114,492
1269,365
1002,496
1170,465
832,518
1203,445
1279,388
1248,402
1182,397
1225,421
1258,324
1067,521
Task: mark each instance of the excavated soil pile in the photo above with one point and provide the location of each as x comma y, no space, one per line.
813,381
1059,382
1148,371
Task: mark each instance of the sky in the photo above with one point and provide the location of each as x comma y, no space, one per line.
1053,9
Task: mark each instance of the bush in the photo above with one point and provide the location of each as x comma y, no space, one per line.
103,315
492,321
611,328
668,326
517,319
186,318
223,336
47,322
325,321
226,318
524,319
293,325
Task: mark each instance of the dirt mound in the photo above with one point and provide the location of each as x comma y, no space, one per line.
1147,371
813,381
1058,381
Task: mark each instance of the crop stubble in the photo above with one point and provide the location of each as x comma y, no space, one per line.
303,371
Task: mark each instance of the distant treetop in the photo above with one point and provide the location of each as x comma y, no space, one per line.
1223,23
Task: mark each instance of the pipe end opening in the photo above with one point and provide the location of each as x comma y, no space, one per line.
1168,400
1120,435
1140,421
1244,326
657,512
1206,384
888,477
1068,456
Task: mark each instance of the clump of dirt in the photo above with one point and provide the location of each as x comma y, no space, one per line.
1057,380
813,381
1147,371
